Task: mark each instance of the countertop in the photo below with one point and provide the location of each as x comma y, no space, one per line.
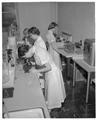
59,47
27,93
85,66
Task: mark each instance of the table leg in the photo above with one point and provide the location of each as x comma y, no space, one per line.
74,74
88,85
68,68
45,89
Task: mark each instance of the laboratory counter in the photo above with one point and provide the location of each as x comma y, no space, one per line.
59,47
27,93
78,58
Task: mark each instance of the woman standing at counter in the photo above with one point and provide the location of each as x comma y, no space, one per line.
12,42
54,86
51,40
12,36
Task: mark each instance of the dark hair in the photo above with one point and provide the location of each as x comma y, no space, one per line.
52,25
26,29
34,30
14,23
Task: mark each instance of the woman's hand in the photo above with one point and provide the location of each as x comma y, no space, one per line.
35,72
45,69
24,56
60,44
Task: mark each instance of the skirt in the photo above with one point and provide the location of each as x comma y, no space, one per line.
54,88
56,57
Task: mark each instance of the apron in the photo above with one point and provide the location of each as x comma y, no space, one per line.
54,87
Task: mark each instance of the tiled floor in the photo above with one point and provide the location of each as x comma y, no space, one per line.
74,105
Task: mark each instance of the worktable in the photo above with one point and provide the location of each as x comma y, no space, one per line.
68,55
60,49
78,59
89,69
27,93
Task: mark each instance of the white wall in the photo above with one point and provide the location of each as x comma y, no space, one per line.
36,14
77,19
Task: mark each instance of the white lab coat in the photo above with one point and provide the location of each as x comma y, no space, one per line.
54,85
38,43
55,55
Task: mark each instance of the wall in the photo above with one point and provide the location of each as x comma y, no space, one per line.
77,19
36,14
9,12
4,39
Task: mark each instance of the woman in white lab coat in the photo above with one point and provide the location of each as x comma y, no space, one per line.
55,90
38,41
51,40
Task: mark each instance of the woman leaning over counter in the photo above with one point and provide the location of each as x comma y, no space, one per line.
54,85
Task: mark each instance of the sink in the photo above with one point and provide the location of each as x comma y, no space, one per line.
30,113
